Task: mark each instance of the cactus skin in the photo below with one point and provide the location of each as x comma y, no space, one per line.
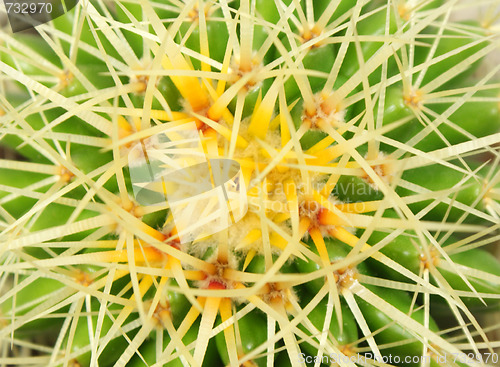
371,205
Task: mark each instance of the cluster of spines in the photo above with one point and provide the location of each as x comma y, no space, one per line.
152,256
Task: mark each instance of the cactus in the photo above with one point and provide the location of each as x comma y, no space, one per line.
360,142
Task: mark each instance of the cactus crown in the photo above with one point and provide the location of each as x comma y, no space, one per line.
350,149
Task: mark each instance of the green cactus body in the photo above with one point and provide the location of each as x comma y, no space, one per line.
177,167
